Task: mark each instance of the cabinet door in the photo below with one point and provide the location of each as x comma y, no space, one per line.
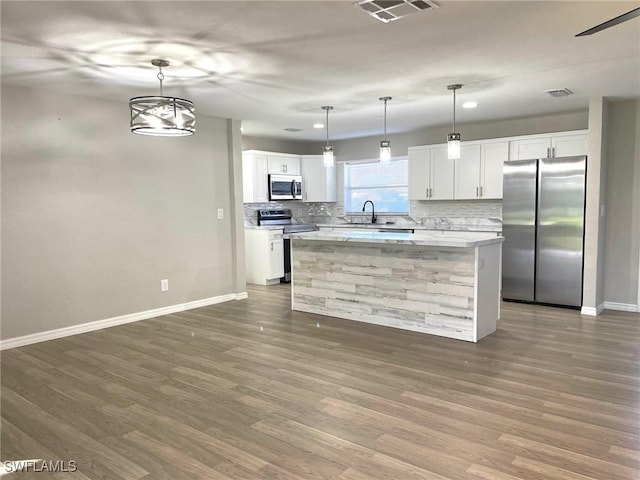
254,178
467,172
284,164
493,156
276,257
529,148
292,165
419,174
569,145
318,182
441,174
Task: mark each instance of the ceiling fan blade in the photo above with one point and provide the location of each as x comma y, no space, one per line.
610,23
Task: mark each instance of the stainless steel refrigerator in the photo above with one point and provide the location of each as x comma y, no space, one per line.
543,226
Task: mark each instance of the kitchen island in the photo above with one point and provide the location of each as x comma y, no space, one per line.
441,284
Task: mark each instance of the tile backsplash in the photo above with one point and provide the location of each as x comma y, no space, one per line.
438,215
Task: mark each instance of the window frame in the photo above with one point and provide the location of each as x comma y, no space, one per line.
347,188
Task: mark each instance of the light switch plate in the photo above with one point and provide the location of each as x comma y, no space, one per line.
220,213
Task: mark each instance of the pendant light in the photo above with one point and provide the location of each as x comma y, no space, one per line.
385,145
327,151
453,139
162,116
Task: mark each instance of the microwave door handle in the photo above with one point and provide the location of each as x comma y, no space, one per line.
293,188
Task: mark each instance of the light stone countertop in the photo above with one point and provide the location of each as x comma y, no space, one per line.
262,227
448,239
408,226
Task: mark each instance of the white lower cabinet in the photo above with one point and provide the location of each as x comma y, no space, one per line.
264,253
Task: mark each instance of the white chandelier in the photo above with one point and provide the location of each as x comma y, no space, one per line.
162,116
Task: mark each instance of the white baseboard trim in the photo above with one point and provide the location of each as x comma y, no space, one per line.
622,307
591,311
112,322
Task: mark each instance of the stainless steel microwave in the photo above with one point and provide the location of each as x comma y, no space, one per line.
285,187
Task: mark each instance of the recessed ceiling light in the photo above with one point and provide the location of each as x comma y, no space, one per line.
469,104
318,125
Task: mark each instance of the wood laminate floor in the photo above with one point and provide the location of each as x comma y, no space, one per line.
250,390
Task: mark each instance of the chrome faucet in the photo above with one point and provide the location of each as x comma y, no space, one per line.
373,210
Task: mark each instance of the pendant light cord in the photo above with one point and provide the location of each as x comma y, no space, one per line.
327,127
454,110
385,118
161,78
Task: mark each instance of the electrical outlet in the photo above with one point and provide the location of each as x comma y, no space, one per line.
220,213
164,285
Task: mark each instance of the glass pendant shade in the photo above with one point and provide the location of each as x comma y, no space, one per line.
162,116
453,146
327,156
385,151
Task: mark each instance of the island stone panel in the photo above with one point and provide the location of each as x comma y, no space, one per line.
397,285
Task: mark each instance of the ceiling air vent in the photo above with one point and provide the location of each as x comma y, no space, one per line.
389,10
562,92
291,129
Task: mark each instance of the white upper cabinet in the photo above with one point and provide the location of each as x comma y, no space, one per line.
254,177
530,148
492,158
430,173
284,164
419,163
467,172
441,173
257,165
569,145
478,172
318,182
549,145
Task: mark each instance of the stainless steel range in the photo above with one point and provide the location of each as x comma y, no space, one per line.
283,218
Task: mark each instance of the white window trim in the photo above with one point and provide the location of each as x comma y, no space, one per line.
360,213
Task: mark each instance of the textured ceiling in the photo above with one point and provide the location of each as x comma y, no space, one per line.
274,64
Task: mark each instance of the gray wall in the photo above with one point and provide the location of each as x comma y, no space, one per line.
93,216
280,145
623,203
368,147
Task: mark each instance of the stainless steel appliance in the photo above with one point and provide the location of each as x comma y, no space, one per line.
285,187
283,218
543,226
